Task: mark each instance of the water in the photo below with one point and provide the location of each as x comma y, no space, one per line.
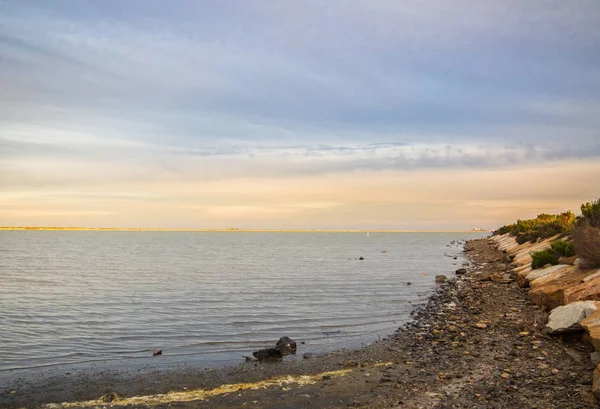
111,298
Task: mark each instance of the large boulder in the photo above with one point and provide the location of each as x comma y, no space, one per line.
586,290
525,279
592,326
592,276
568,318
551,277
551,295
567,260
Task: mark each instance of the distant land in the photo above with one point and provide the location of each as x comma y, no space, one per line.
233,229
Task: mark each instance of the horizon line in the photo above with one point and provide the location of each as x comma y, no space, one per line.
233,230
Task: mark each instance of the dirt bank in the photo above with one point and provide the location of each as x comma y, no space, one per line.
476,344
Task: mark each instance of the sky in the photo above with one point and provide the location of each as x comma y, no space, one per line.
379,114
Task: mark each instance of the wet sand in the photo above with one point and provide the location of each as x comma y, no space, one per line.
475,344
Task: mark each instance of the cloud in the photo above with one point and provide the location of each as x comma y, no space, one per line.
100,94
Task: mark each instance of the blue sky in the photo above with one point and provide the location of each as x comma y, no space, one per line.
177,113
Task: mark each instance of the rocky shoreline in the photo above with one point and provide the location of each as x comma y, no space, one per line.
479,342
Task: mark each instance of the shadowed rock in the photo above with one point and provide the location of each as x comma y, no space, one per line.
286,345
268,354
568,318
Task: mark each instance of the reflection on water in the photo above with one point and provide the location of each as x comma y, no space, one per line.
69,297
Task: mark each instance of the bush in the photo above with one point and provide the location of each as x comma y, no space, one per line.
542,227
586,234
563,248
543,257
587,244
505,229
590,213
557,249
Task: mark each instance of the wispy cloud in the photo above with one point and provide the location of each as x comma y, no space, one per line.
98,93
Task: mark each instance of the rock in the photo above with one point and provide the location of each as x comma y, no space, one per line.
592,326
307,355
551,295
109,397
587,396
461,271
567,260
588,290
268,354
485,277
524,278
592,276
286,345
481,325
505,375
408,283
596,382
157,352
595,358
361,258
550,278
441,279
568,318
385,379
452,328
574,355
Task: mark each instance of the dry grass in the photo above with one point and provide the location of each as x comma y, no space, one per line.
587,244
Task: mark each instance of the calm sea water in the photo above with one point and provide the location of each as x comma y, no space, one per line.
85,298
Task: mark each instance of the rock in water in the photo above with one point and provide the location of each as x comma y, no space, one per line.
286,345
157,352
461,271
268,354
441,279
567,318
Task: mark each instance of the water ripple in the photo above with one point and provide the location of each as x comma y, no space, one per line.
75,298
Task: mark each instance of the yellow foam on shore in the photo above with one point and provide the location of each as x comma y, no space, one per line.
201,394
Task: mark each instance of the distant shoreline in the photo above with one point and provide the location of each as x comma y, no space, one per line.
230,230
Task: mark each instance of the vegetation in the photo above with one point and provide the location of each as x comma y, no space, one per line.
557,249
542,227
563,248
586,234
543,257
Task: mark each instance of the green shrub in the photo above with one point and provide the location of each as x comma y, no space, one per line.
558,248
563,248
590,213
505,229
542,227
543,257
